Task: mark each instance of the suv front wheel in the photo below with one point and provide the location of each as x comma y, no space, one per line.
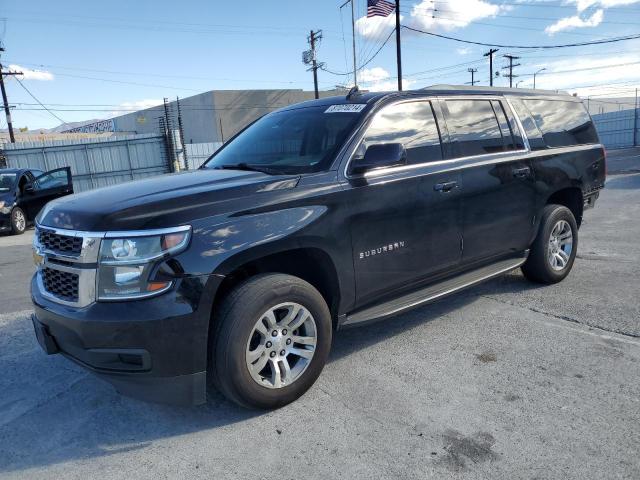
554,249
272,341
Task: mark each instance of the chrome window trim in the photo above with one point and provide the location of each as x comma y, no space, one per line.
439,162
465,162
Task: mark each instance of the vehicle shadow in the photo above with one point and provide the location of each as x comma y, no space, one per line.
54,412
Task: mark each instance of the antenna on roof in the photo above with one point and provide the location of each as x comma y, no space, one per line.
354,92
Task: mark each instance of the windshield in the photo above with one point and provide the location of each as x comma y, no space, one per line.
293,141
7,181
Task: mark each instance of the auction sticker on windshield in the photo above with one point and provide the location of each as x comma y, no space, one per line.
346,107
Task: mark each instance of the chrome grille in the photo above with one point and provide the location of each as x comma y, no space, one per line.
59,243
63,285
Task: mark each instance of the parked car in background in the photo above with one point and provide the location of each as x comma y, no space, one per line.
322,215
23,193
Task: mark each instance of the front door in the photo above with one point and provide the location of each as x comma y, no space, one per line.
404,221
46,187
498,201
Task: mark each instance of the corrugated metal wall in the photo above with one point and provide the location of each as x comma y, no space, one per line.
94,162
197,153
616,128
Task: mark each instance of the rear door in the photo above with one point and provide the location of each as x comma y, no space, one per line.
404,221
498,201
46,187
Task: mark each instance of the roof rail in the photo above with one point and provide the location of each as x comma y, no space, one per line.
481,89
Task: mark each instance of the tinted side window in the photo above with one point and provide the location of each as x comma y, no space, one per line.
53,179
562,123
508,126
474,128
413,124
531,130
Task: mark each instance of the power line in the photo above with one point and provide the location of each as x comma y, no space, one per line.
365,63
580,44
34,97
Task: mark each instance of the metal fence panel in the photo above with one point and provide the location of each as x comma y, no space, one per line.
616,129
197,153
94,162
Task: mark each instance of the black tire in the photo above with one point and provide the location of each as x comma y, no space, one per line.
237,316
18,226
538,267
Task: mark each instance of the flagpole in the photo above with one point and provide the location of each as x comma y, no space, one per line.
398,52
353,43
353,40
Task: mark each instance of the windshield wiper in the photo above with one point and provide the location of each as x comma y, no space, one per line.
249,167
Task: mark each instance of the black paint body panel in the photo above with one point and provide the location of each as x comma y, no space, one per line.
384,234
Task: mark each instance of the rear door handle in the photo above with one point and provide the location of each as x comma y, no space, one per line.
521,172
445,187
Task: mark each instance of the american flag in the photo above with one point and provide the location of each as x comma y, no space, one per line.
379,8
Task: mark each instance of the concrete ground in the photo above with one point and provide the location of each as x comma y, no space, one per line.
507,380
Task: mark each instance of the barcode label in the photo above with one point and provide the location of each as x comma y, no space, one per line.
346,107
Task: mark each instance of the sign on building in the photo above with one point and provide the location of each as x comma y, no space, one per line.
95,127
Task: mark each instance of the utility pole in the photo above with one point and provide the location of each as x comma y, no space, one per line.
398,50
472,71
490,55
309,58
353,41
5,101
510,67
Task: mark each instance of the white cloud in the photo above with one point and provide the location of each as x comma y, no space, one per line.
450,14
582,5
575,21
376,28
374,74
30,74
377,79
463,51
427,15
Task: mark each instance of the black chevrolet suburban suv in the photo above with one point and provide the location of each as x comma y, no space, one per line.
321,215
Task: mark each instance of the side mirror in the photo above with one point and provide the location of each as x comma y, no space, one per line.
379,156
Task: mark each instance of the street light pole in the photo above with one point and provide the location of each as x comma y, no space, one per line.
534,77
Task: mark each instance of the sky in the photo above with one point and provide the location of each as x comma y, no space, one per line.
89,60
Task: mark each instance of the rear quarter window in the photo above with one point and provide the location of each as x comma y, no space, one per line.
562,123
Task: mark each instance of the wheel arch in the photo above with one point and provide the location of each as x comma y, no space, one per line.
570,197
311,263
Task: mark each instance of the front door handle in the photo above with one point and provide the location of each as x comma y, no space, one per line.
445,187
521,172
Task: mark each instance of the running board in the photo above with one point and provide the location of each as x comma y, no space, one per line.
434,291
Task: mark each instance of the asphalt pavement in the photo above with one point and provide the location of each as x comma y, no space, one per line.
506,380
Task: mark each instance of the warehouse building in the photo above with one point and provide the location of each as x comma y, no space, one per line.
213,116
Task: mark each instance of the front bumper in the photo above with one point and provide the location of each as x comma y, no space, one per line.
153,349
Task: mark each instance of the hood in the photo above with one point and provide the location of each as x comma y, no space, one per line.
162,201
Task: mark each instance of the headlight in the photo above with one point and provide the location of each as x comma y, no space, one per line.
3,208
127,260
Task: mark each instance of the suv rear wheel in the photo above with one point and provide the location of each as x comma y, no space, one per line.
554,249
18,221
273,340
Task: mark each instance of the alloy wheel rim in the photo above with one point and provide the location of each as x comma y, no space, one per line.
19,220
281,345
560,245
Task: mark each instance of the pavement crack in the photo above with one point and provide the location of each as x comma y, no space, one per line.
563,317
